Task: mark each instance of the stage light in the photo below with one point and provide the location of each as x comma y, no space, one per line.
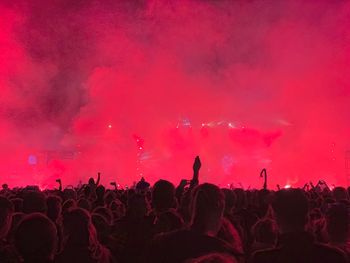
287,186
110,126
32,159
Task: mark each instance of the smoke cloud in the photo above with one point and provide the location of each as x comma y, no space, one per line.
139,88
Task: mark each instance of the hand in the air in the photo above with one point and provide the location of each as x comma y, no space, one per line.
197,164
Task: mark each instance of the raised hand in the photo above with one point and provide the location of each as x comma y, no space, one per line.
197,165
98,178
60,184
184,182
114,184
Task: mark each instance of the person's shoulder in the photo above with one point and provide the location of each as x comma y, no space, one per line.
334,253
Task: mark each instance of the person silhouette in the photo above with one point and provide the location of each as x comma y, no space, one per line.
295,244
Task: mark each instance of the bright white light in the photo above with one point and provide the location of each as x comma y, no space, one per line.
110,126
287,186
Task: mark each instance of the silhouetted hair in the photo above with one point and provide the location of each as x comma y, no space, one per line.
54,207
208,201
100,191
291,206
80,231
340,193
34,202
6,210
84,203
36,238
67,205
105,212
163,195
91,180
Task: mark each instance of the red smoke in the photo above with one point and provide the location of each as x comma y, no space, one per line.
139,88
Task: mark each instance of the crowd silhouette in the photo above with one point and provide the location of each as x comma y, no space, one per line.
190,223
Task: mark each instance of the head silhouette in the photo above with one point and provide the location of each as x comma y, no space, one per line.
34,202
6,211
208,204
338,223
340,193
100,192
36,238
67,205
291,209
84,203
105,212
54,207
102,226
77,227
137,206
163,195
91,181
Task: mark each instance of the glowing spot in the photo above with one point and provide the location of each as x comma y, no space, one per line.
110,126
287,186
32,159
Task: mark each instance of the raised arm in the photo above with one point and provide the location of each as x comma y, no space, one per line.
60,184
115,185
98,178
196,167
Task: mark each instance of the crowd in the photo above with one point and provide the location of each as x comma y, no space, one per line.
162,223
